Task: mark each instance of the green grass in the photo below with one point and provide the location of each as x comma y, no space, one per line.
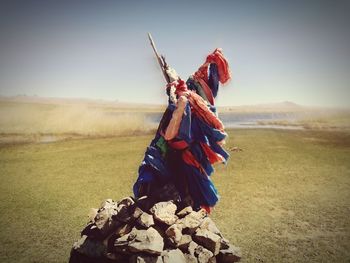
284,198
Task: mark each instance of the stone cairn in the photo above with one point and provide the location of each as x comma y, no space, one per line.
130,231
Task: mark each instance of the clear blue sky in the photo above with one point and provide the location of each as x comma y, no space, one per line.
278,50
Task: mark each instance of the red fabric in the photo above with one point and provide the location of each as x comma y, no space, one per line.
203,81
212,156
188,158
178,145
198,104
218,58
206,208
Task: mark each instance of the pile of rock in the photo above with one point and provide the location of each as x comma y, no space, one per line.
129,231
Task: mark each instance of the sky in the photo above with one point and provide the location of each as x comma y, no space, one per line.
295,51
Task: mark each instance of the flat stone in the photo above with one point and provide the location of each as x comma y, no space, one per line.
232,254
192,221
174,233
184,212
124,214
184,242
224,243
137,213
192,246
173,256
190,259
165,212
148,241
203,254
107,202
145,220
123,230
208,240
208,224
127,201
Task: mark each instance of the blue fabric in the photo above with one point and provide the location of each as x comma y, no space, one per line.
202,190
195,86
213,79
185,125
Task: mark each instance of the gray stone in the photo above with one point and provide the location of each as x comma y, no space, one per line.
137,213
173,256
123,230
184,212
124,214
165,212
192,221
232,254
184,242
224,243
190,259
127,201
209,225
148,241
145,259
203,254
107,202
145,220
192,248
208,240
174,233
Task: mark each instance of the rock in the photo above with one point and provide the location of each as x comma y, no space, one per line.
123,230
190,259
165,212
192,248
107,203
137,213
124,214
184,212
224,243
127,201
92,214
148,241
121,244
145,259
145,220
203,254
192,221
104,216
232,254
208,240
209,225
173,256
174,233
184,242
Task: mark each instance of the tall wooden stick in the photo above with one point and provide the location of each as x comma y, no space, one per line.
160,59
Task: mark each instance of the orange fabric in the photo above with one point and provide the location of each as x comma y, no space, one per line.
201,109
212,156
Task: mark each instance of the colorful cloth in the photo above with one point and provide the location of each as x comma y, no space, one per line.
190,136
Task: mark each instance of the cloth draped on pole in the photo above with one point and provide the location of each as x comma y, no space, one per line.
190,136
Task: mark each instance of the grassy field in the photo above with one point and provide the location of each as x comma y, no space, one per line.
284,198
